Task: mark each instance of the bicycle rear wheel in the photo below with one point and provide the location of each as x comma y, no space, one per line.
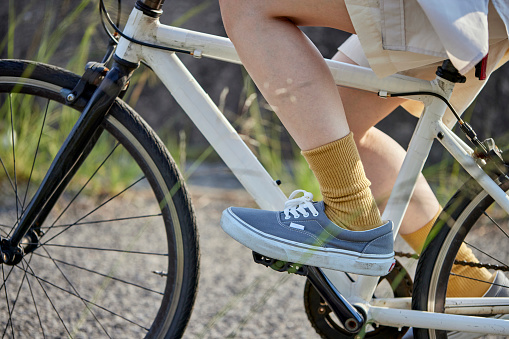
472,218
118,254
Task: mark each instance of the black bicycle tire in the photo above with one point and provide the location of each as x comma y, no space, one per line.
152,156
458,217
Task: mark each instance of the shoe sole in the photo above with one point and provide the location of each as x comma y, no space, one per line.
286,250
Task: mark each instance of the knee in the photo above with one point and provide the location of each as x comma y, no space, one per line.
363,138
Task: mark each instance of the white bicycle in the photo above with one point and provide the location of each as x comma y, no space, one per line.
86,253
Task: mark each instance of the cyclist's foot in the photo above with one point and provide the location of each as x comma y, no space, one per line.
303,234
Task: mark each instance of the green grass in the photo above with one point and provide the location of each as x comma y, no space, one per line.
22,117
259,126
19,140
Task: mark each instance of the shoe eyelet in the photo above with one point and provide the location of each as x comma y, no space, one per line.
286,218
315,214
305,215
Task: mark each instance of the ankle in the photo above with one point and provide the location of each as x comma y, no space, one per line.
362,215
344,186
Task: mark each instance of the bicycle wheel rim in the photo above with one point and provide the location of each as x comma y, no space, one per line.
176,265
475,220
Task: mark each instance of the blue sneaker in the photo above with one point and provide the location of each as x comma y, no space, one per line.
303,234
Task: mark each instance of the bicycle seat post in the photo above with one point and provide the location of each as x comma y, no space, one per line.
448,72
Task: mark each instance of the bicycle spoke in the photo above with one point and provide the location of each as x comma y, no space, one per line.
496,224
85,300
486,254
8,307
14,226
82,188
95,209
101,274
103,221
10,180
35,303
108,250
17,296
35,155
47,296
5,233
76,292
474,279
5,279
14,157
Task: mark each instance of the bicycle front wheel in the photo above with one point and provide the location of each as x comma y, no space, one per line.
471,219
117,256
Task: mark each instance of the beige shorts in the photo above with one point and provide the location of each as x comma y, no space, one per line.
366,19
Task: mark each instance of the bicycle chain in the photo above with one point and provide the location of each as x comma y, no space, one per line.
458,262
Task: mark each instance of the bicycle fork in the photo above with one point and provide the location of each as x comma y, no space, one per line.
71,155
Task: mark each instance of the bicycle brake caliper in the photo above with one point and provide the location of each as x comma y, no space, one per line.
495,163
94,74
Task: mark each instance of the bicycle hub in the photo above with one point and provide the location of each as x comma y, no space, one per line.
12,255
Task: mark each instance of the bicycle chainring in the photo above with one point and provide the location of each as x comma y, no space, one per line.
327,325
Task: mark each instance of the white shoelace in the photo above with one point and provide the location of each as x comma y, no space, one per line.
294,206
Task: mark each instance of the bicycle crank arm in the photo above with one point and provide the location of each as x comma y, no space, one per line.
73,151
352,318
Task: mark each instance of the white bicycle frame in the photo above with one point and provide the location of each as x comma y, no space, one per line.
395,312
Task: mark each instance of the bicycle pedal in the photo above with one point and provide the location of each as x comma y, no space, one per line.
280,265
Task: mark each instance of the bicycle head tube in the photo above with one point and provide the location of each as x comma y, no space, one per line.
150,7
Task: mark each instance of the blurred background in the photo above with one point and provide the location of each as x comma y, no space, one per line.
236,297
68,33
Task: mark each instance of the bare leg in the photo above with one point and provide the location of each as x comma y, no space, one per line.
287,67
294,78
381,155
297,83
291,74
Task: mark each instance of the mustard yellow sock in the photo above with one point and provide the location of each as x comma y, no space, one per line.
468,281
416,239
343,184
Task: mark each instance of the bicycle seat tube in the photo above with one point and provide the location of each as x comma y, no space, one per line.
72,151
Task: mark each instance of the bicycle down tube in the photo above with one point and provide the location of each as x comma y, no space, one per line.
224,139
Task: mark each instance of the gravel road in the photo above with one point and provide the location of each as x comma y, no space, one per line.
236,299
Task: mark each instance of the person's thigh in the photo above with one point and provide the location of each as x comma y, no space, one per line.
322,13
